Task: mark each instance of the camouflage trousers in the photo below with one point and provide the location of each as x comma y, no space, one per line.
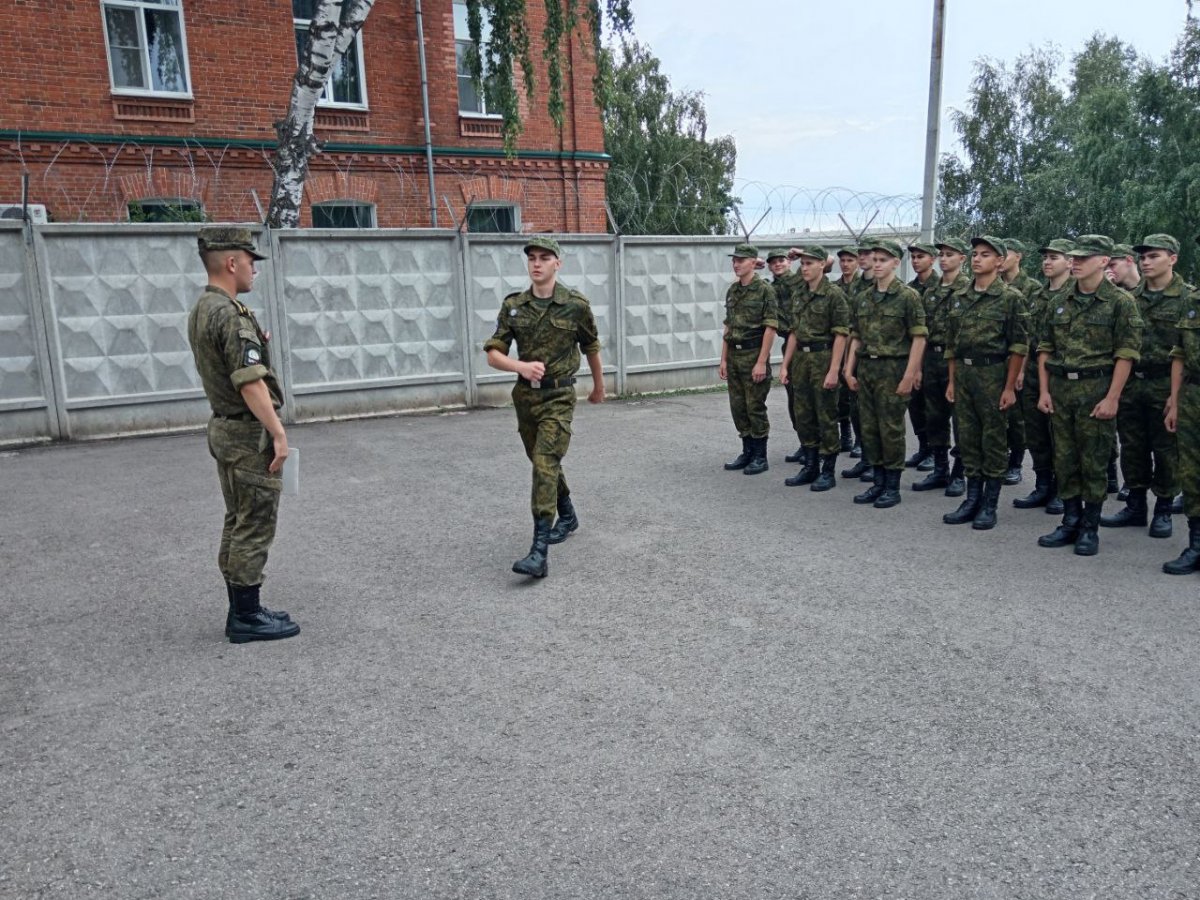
544,422
982,426
1015,422
243,451
1038,440
939,411
1187,435
814,409
791,395
916,413
847,405
747,399
1149,453
881,410
1082,444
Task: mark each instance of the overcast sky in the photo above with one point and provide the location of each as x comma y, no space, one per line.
820,95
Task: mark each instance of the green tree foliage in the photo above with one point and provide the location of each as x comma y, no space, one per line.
1115,150
666,175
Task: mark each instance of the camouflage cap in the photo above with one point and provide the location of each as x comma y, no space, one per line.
1015,245
1058,245
958,245
853,251
226,237
1158,242
995,243
777,253
543,242
745,251
1092,245
922,247
883,245
1123,250
814,251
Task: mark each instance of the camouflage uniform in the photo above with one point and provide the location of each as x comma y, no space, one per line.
847,408
749,310
817,317
983,329
785,286
916,400
1186,346
1034,296
1038,439
554,332
939,411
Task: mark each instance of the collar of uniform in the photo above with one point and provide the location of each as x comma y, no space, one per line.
216,290
992,290
1177,287
560,295
893,288
1106,292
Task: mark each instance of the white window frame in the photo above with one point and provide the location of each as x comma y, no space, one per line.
466,39
140,6
486,205
326,99
371,208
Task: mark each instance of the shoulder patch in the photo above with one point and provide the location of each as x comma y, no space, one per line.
251,355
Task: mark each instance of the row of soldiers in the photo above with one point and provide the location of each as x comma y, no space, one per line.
982,353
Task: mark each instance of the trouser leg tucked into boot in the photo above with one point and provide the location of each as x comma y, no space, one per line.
1133,513
274,614
1088,542
536,564
1040,495
940,476
969,508
871,494
808,472
758,462
826,480
1013,474
846,433
1068,529
742,459
985,519
957,485
1189,560
1160,525
1054,506
567,522
250,622
890,496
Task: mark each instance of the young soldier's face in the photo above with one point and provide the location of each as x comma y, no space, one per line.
245,270
883,264
779,265
1122,267
743,266
543,266
1055,265
1010,264
811,269
985,260
950,261
1156,263
1084,267
922,262
866,263
848,264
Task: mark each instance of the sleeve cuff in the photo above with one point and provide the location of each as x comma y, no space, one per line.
1176,353
1018,349
1126,353
243,377
840,330
495,344
918,331
591,348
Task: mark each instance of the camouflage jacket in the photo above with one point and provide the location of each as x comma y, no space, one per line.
852,288
553,335
992,322
1160,313
929,284
1089,331
785,289
749,309
937,308
230,350
886,322
1036,298
819,315
1186,345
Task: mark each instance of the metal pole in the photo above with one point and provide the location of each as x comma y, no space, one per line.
425,109
933,121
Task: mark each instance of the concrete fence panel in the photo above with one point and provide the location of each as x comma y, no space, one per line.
27,409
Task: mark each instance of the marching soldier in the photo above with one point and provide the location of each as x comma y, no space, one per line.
922,257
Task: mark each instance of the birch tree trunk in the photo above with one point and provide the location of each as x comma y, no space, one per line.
335,24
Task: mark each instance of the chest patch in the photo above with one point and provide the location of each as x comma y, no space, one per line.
1191,314
1059,311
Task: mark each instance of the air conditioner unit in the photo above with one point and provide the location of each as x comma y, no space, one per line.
12,211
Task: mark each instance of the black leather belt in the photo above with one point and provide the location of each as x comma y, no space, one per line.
246,416
753,343
879,356
814,348
938,348
547,384
1080,374
1153,370
987,360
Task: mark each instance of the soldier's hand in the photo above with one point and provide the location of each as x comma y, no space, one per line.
533,371
950,392
760,263
759,372
1020,385
597,394
918,379
281,453
723,371
830,382
1171,417
783,375
905,388
1046,405
852,382
1105,409
1008,399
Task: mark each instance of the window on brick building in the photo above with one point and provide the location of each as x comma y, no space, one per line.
166,209
470,100
347,84
493,218
147,47
343,214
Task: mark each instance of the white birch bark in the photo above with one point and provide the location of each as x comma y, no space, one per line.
335,24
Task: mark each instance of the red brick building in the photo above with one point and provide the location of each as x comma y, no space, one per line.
142,109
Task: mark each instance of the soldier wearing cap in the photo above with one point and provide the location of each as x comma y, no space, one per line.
1122,269
812,361
751,321
1035,302
887,338
1149,455
1090,340
551,325
922,256
785,282
939,411
849,282
1183,420
245,435
862,470
986,345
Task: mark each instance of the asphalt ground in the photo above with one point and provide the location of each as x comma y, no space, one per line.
725,689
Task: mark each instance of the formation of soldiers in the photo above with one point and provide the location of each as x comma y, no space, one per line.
988,363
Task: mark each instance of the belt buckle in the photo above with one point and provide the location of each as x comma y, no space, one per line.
1072,376
737,346
872,356
535,384
968,361
806,349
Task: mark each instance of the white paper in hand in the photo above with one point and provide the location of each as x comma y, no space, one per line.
291,472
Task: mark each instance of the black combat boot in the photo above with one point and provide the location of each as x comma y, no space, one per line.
1189,560
868,474
536,564
871,494
985,519
957,486
798,456
1040,495
742,459
566,523
1111,487
808,472
969,508
1134,512
919,456
274,614
940,476
1088,542
1054,506
1160,525
825,479
758,463
856,450
1122,494
1177,505
250,622
857,469
891,489
1013,474
847,436
1068,529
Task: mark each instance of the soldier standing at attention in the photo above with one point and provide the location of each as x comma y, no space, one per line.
1122,270
245,435
1035,301
987,342
812,361
1149,456
887,339
922,257
939,412
550,325
1183,420
1090,340
751,321
862,470
847,260
784,281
